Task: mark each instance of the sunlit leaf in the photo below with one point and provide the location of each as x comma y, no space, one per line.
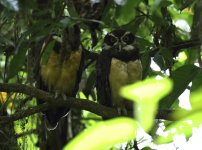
104,134
147,94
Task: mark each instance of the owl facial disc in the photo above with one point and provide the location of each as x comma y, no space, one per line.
119,40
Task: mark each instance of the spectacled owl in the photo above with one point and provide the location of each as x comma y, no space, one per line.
61,73
118,65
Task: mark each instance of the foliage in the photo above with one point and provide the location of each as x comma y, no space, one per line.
145,107
168,34
117,130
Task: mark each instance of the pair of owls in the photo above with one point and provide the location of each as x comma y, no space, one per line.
118,64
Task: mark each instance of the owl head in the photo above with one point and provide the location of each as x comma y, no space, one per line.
119,40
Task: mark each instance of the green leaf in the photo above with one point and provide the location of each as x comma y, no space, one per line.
104,134
17,62
159,60
164,58
157,16
134,25
108,16
197,82
181,79
5,41
158,4
192,55
122,14
47,52
147,94
146,61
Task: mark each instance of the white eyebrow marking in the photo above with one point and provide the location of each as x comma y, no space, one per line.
113,35
126,34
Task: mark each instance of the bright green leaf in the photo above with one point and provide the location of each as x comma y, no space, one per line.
147,94
155,89
182,57
104,134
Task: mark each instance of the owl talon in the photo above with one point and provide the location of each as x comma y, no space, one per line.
122,111
64,96
119,111
56,95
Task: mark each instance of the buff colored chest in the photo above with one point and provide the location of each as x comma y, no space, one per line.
61,77
123,73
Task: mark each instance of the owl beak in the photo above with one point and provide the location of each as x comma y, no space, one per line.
119,46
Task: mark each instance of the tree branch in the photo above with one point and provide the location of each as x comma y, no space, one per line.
51,102
178,46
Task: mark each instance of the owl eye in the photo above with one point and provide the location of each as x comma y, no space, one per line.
125,39
112,39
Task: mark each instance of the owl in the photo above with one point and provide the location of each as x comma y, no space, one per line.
61,73
118,65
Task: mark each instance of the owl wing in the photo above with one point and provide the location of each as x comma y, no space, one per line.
102,79
61,76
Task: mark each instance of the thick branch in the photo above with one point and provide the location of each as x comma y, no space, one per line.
48,97
51,102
